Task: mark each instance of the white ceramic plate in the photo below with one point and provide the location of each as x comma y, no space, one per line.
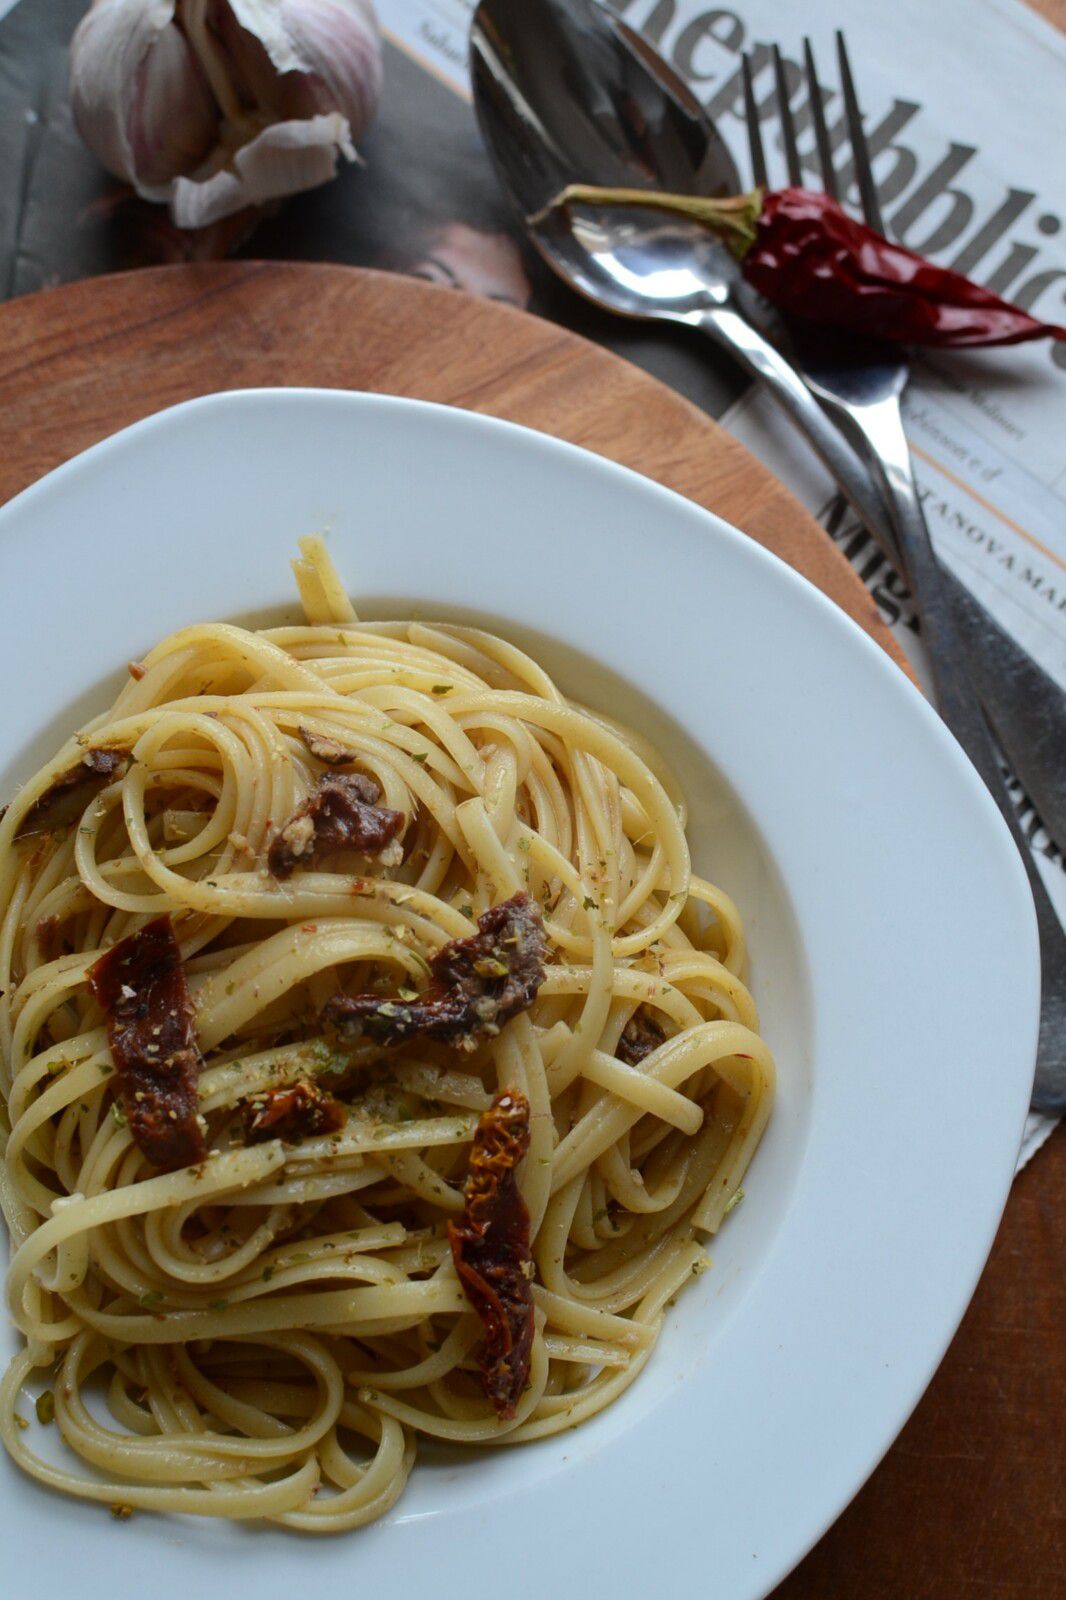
893,943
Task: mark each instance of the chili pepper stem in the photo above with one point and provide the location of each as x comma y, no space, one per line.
733,218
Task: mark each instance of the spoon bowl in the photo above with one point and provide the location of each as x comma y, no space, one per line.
566,93
630,260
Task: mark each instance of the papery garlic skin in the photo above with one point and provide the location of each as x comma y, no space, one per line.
284,159
215,105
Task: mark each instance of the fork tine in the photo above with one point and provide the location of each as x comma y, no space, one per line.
788,128
751,116
821,132
871,208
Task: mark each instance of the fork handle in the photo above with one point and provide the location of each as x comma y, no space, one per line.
957,701
1025,707
727,328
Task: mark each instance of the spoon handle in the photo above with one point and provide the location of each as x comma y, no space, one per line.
780,378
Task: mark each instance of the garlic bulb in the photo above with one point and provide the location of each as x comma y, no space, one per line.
214,105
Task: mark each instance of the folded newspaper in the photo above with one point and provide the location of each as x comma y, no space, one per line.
956,97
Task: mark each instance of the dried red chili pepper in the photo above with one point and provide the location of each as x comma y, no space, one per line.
811,259
491,1251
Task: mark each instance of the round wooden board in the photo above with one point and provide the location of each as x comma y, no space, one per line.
79,362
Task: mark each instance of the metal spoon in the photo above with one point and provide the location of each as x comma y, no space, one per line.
565,92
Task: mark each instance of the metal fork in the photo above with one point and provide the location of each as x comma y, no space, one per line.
1026,707
860,382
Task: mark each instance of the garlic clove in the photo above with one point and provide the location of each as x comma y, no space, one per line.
302,57
338,43
306,56
173,120
139,98
285,158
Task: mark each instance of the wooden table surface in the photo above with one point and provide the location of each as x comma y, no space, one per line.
969,1502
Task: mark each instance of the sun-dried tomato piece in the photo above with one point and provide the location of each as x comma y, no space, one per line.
640,1036
293,1112
341,813
328,750
141,985
67,796
491,1251
478,984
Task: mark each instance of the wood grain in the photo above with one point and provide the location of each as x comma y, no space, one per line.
968,1503
79,362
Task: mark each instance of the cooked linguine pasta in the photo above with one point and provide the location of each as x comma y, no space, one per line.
272,1328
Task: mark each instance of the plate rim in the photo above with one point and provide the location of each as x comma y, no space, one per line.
57,481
